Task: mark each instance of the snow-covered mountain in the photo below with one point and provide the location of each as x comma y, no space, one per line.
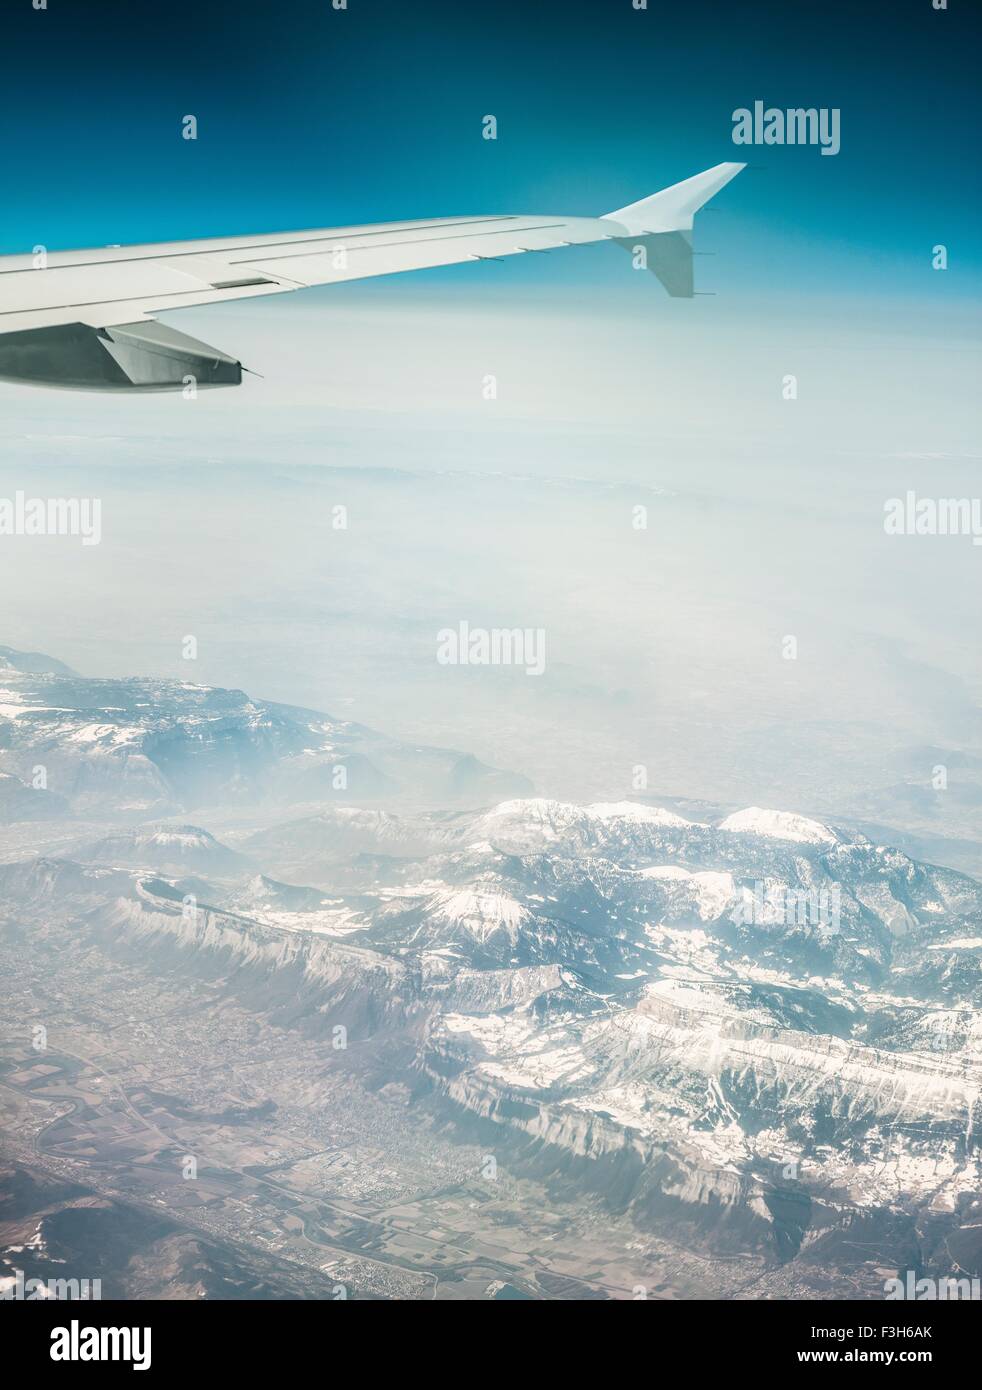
744,1029
755,1034
142,747
179,848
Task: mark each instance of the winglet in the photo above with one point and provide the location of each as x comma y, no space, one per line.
672,209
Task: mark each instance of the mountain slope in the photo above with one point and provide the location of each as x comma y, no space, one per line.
144,746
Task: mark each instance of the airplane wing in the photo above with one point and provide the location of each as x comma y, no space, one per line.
85,319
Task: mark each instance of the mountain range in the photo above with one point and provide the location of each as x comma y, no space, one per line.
140,746
755,1035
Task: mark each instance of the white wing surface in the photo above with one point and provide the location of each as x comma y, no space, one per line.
86,318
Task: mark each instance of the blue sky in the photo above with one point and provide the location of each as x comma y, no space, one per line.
309,116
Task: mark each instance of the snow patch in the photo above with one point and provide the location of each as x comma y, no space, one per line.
779,825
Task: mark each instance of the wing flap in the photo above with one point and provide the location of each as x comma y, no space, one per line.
70,288
357,259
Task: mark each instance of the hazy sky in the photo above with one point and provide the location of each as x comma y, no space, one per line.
765,518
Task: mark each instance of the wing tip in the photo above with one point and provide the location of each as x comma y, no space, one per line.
672,209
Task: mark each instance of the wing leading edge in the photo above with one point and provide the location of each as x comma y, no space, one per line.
86,320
